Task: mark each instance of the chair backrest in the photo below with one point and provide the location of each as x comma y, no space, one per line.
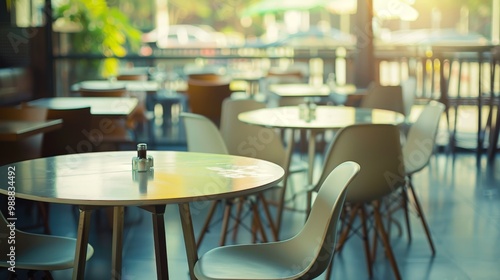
70,138
132,77
205,97
421,138
107,91
249,140
377,149
384,97
211,77
408,89
202,135
24,149
316,241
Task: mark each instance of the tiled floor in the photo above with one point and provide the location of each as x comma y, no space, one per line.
459,194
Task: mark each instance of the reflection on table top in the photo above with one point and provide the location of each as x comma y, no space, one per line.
16,130
99,106
147,86
327,117
107,178
300,90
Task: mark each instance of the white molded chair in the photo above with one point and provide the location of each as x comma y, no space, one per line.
257,142
417,151
304,256
204,137
377,149
39,252
384,97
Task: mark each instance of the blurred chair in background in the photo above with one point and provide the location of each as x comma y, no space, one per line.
124,128
204,137
205,95
24,149
258,142
377,149
73,137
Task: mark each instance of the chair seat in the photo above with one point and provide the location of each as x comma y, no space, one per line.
252,262
44,252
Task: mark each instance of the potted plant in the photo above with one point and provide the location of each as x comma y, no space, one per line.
103,30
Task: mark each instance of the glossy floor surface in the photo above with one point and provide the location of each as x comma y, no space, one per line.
460,195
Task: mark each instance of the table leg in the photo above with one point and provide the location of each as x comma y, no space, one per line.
189,242
82,243
288,161
117,243
158,212
311,153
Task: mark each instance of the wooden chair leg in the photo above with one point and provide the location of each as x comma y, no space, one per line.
48,275
385,239
239,209
204,229
347,228
366,242
422,218
405,209
258,222
269,218
225,222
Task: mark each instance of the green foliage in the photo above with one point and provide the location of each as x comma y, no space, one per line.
105,30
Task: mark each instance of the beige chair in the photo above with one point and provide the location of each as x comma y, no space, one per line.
205,97
111,91
417,151
38,252
124,132
408,89
304,256
204,137
257,142
377,149
25,149
384,97
284,76
74,137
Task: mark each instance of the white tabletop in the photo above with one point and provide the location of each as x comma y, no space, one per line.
300,90
106,179
99,106
15,130
327,117
134,86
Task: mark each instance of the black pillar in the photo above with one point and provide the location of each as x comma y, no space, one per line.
364,72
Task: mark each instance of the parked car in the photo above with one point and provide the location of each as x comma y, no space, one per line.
183,36
314,37
430,37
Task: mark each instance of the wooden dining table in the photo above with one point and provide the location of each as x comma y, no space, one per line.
108,107
106,179
14,130
300,90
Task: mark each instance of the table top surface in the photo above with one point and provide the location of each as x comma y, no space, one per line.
107,179
132,85
99,106
15,130
300,90
327,117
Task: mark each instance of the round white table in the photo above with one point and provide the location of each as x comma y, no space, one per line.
326,117
300,90
92,180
